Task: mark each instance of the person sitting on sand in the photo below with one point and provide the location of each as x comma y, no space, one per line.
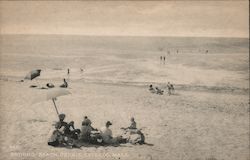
86,120
107,136
106,133
57,136
70,131
172,88
65,84
159,91
151,89
85,131
88,133
62,124
132,128
133,135
61,136
132,125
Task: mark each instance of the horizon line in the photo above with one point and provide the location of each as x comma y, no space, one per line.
93,35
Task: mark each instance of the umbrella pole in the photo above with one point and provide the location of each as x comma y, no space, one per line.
55,106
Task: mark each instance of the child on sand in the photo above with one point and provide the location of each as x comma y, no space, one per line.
151,89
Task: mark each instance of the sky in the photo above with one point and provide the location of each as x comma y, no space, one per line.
127,18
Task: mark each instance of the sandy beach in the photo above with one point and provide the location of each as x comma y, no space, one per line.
206,119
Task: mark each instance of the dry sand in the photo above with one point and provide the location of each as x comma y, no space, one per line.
207,118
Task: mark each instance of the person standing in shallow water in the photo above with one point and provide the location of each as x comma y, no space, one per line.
68,71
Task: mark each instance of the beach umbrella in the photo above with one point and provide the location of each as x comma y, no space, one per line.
53,93
33,74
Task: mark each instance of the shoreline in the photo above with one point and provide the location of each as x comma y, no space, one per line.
179,87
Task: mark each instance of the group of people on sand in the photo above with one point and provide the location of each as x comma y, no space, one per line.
51,85
159,91
155,90
64,85
66,135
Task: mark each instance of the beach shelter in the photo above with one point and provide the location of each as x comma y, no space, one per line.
53,93
33,74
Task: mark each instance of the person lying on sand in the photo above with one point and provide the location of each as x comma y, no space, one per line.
65,84
33,86
50,85
159,91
